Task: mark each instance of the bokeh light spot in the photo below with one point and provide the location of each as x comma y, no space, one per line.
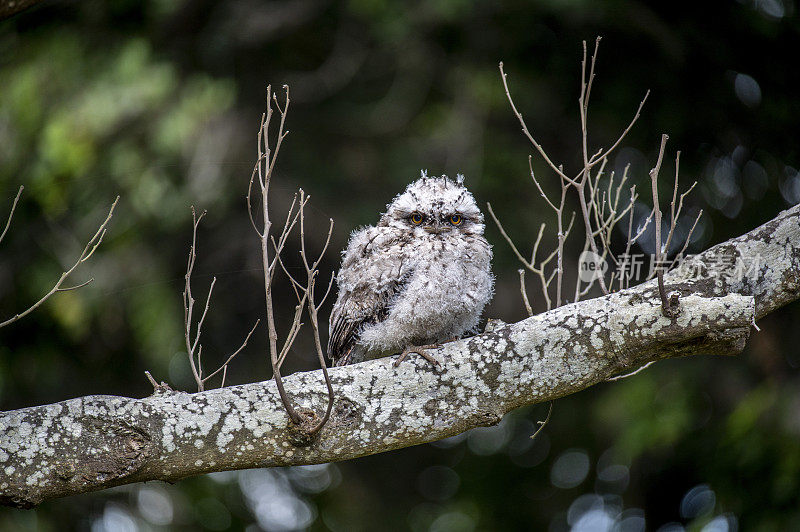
570,469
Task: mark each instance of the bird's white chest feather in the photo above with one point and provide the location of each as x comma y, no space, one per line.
448,284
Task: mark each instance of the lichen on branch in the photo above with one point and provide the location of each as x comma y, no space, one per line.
97,442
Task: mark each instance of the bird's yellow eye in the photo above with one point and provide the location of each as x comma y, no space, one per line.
416,218
456,219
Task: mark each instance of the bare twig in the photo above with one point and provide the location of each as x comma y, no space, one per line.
599,209
249,194
580,186
665,304
543,424
688,239
641,230
527,133
11,214
311,272
264,167
87,252
676,213
530,265
157,388
536,182
586,88
604,154
151,379
601,205
71,288
508,239
194,349
524,291
632,373
305,294
624,275
224,366
669,306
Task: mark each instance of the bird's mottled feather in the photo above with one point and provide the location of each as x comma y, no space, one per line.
404,284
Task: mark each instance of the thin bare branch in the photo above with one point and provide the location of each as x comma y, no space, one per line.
11,214
224,375
224,366
562,237
580,187
205,312
597,157
665,304
524,291
151,379
250,214
70,288
673,217
296,286
688,239
538,241
578,277
265,167
641,230
676,213
632,373
311,274
328,290
192,349
543,424
281,133
91,246
536,182
590,241
624,276
508,238
99,238
527,133
586,88
591,70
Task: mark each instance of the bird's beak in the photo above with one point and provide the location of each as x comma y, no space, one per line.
432,229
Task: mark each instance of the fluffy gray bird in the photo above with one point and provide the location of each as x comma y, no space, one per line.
422,276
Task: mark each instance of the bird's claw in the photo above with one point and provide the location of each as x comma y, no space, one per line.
421,351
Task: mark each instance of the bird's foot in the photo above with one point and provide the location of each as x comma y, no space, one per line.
421,351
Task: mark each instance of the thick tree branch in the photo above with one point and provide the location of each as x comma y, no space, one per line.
97,442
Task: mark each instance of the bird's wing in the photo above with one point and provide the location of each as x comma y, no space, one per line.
353,310
363,298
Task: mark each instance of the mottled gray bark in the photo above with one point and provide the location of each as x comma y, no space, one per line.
96,442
